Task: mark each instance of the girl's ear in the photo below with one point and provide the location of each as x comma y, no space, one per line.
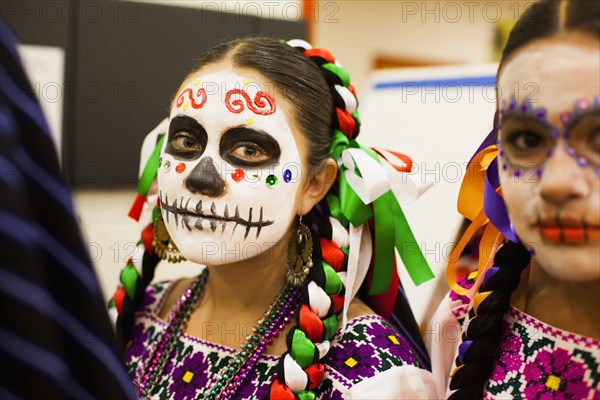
318,186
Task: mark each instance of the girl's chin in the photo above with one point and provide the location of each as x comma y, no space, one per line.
572,263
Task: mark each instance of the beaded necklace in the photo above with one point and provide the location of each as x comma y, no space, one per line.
223,385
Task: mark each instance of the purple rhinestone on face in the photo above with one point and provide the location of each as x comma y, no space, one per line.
581,161
570,151
541,113
517,173
582,104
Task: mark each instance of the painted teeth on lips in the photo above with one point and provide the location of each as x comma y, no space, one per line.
181,213
568,231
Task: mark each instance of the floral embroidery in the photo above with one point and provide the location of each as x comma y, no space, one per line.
539,362
137,346
555,375
510,359
149,298
387,338
356,356
189,377
353,360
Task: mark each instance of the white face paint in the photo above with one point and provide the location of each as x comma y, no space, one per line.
566,197
230,170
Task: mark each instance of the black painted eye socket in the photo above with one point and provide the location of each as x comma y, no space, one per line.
249,152
187,138
246,147
184,142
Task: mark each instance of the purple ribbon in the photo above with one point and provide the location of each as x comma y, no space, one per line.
493,204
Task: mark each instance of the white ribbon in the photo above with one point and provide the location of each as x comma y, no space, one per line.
359,259
323,348
405,186
113,314
372,182
295,378
137,257
375,180
339,234
318,300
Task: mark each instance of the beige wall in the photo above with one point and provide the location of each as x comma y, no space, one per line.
447,31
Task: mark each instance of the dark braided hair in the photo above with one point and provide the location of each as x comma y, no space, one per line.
481,340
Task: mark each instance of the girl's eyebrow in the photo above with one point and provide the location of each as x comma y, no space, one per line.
515,115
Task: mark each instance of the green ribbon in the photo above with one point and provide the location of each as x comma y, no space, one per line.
129,277
384,246
156,213
339,71
336,210
351,205
150,169
339,143
331,325
391,227
333,283
302,349
306,395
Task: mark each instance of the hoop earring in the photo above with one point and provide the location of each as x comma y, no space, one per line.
299,255
164,247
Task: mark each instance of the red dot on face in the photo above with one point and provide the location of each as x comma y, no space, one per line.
180,168
237,175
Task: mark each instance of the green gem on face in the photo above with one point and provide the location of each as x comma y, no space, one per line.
271,181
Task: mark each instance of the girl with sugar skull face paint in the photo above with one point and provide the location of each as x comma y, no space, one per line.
532,328
218,184
257,179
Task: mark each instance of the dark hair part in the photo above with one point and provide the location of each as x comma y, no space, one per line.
548,18
543,19
295,76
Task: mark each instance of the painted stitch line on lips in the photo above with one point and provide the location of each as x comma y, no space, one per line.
183,214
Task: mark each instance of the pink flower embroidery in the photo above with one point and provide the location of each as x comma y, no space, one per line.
555,375
510,358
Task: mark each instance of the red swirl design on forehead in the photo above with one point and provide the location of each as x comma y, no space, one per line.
263,103
195,101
